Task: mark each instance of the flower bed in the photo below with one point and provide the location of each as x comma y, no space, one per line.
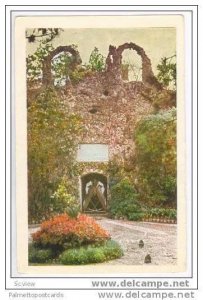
67,240
66,232
161,215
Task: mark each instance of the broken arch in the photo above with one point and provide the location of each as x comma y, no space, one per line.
47,75
114,64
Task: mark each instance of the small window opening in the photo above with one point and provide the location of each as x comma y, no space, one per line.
94,109
106,93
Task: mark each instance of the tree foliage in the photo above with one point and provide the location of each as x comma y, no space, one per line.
34,61
155,139
52,138
62,66
63,201
167,72
123,203
96,60
42,34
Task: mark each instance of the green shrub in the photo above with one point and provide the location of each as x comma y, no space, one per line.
64,202
91,254
95,255
115,171
167,71
79,73
123,201
136,216
162,213
112,250
52,142
96,60
74,257
63,232
155,139
37,255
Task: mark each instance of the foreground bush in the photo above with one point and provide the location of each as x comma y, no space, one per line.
37,255
112,250
91,254
63,232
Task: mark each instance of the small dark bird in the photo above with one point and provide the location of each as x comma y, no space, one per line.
148,259
141,244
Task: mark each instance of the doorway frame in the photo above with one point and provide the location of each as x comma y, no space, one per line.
99,172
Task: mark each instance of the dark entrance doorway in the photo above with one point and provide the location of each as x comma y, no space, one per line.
94,192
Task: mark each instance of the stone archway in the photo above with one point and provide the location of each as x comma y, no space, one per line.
114,63
47,76
94,192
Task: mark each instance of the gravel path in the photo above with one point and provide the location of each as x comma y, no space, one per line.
159,241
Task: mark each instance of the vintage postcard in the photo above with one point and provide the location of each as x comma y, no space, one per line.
100,145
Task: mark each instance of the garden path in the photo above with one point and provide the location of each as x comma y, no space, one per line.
159,241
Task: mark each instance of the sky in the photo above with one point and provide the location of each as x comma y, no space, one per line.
157,42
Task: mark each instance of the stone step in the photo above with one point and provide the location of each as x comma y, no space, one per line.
97,215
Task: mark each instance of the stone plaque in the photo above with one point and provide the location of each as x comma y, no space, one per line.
92,153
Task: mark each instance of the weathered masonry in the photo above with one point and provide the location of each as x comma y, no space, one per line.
110,106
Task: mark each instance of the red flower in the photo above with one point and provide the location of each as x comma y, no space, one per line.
62,229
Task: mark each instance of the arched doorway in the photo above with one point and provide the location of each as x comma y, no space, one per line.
94,192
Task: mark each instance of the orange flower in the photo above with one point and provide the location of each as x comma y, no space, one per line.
62,229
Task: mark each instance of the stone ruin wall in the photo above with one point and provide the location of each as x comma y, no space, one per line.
109,106
108,119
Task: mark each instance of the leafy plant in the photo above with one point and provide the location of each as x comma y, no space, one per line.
62,201
65,232
79,73
74,257
63,67
124,202
117,170
162,213
37,255
112,250
91,254
42,34
52,142
96,60
167,72
155,139
34,61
